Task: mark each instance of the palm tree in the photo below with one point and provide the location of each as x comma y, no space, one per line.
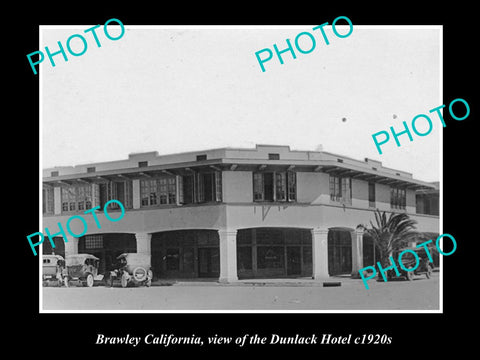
390,233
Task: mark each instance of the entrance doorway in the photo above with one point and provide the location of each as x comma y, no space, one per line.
339,252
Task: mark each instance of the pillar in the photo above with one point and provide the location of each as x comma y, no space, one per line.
57,200
357,252
95,195
144,243
320,253
228,255
71,246
136,194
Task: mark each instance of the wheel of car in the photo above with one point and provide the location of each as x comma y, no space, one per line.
89,281
428,274
409,275
139,274
124,280
149,278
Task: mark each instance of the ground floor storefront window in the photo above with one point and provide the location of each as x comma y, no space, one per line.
186,254
339,252
274,252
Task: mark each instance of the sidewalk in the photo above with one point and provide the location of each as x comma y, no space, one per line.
305,281
335,281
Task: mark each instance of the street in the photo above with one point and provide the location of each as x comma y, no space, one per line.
273,295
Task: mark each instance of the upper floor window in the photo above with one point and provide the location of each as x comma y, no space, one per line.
341,189
77,198
398,198
83,197
200,187
371,194
209,186
427,204
115,190
273,156
274,186
159,191
47,200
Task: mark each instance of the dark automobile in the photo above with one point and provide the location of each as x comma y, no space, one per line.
425,266
53,268
132,268
82,268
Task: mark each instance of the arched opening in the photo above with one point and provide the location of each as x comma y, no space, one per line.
274,252
59,249
186,254
339,251
107,247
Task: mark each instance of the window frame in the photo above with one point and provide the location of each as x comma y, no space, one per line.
48,201
398,198
76,198
214,186
371,194
158,191
284,186
340,189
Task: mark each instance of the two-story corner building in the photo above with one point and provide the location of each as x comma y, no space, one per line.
234,213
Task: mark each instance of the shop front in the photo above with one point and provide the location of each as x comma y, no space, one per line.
186,254
274,253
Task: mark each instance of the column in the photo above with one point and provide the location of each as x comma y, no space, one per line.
71,246
143,243
136,194
57,200
357,252
228,255
320,253
95,195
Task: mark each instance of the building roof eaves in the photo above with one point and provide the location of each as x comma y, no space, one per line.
329,165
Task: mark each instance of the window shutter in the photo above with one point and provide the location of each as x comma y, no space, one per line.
180,198
218,186
200,187
257,186
292,185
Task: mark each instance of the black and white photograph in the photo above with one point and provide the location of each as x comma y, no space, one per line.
264,185
237,188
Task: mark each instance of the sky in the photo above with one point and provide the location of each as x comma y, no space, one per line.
183,88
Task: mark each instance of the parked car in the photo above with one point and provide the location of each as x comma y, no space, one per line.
82,268
132,268
409,261
53,268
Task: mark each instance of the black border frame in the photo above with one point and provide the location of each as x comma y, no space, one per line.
416,334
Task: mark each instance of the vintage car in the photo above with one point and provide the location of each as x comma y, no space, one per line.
132,268
53,267
409,261
81,268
